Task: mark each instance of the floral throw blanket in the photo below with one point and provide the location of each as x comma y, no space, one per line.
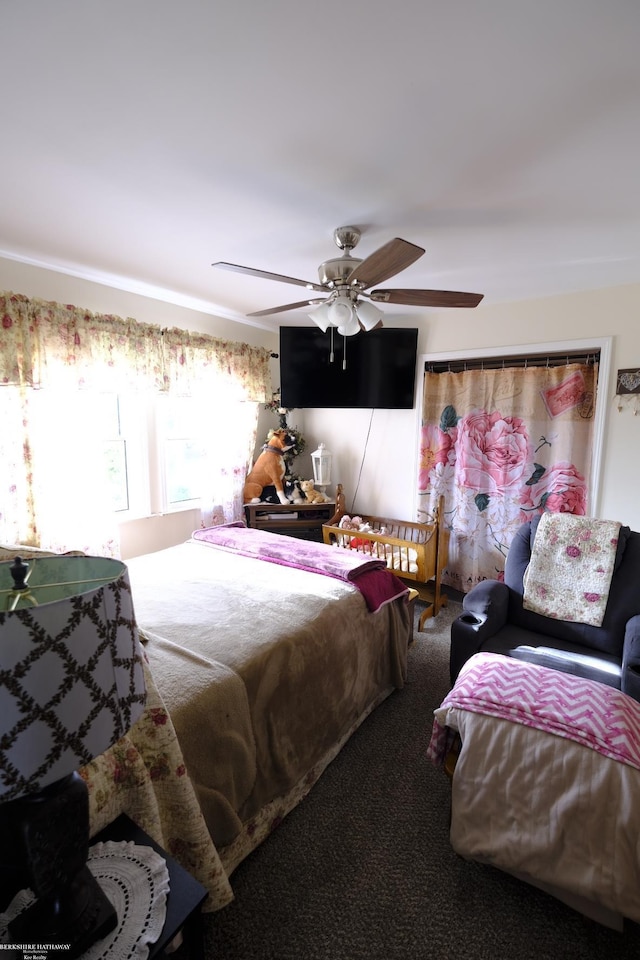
590,713
571,567
370,576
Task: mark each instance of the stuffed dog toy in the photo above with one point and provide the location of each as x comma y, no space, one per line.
269,468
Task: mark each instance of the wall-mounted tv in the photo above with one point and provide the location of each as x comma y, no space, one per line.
375,369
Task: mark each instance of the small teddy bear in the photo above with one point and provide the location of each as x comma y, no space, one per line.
311,494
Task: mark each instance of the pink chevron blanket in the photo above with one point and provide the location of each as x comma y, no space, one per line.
593,714
377,585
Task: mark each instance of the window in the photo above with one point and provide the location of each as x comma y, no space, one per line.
114,447
139,455
182,450
77,462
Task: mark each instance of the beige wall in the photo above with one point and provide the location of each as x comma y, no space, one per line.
384,482
99,298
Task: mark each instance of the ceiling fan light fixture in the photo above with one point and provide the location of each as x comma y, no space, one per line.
350,327
320,317
368,315
340,312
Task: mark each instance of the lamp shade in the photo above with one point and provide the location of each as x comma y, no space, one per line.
71,676
350,328
320,317
368,314
340,312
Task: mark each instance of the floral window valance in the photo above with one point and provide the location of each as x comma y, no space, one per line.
43,343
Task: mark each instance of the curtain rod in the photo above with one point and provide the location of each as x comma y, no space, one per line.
513,361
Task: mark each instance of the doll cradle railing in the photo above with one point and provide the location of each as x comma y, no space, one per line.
415,552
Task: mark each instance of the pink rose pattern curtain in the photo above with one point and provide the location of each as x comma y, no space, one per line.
502,446
51,345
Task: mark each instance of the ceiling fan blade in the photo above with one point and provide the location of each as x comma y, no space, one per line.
427,298
385,262
265,275
287,306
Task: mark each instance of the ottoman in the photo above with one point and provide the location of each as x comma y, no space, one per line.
546,781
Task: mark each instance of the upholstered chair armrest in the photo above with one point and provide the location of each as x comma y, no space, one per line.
631,658
489,603
485,610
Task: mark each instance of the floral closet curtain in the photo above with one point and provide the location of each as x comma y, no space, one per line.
501,446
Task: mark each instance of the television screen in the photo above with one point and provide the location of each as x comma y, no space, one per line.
374,369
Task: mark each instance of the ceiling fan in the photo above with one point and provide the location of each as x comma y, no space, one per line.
344,280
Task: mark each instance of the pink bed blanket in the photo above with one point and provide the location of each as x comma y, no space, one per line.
591,713
377,585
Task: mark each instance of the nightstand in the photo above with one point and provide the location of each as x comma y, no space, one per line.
186,895
294,519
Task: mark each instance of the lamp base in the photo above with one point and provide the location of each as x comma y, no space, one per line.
80,918
45,837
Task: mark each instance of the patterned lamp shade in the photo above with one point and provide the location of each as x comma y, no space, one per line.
71,677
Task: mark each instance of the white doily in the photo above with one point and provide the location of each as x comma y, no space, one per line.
135,879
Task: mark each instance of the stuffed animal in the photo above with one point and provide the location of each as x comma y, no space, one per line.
361,545
291,491
311,494
350,523
269,468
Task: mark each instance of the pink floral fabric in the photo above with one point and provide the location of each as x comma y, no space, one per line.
502,446
561,488
44,342
493,452
571,567
144,776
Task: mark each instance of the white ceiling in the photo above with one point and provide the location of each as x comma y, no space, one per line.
144,139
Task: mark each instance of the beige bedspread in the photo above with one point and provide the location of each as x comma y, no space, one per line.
264,670
553,812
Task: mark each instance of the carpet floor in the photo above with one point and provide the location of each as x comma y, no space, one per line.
363,868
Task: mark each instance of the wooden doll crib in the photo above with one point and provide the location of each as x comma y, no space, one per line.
415,552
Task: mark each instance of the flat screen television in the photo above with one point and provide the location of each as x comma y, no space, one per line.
380,368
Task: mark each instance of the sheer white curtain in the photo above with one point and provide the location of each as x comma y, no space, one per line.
230,441
17,512
75,507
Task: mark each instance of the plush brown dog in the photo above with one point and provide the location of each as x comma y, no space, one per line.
269,468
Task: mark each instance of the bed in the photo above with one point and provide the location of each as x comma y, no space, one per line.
545,771
259,670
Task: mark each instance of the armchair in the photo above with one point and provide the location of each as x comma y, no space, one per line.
495,620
